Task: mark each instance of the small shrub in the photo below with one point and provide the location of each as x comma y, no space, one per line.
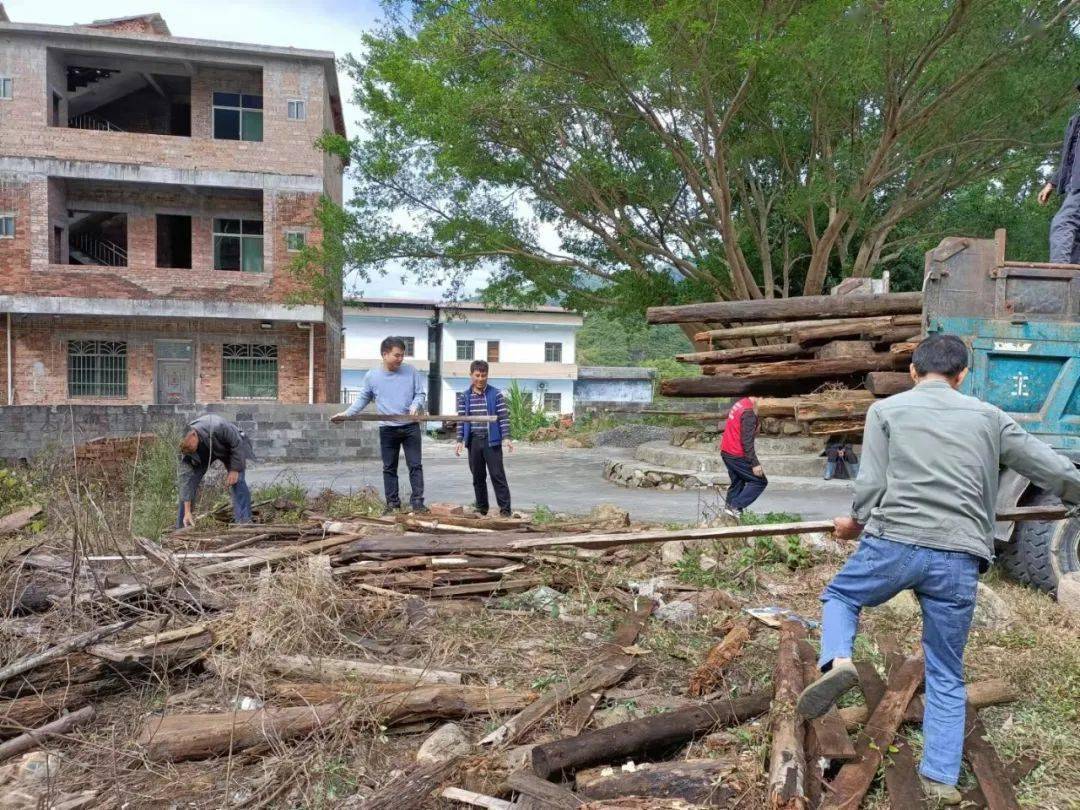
154,493
525,415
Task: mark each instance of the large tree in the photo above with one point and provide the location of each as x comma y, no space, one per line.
640,151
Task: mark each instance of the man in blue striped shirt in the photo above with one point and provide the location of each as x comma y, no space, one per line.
485,440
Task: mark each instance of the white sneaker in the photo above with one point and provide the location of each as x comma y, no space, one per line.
734,514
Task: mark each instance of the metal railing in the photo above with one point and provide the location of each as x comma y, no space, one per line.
101,251
90,121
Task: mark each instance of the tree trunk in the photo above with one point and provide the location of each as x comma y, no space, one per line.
656,734
705,678
787,761
812,307
695,781
819,259
887,383
847,408
876,328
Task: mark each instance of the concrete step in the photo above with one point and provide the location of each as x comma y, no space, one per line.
773,445
634,473
662,454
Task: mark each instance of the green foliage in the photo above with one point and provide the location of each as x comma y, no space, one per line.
154,494
611,339
525,415
365,503
640,153
542,515
787,551
15,491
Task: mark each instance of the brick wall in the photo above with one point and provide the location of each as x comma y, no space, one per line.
40,357
278,432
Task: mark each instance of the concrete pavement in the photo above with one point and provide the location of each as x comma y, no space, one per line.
562,479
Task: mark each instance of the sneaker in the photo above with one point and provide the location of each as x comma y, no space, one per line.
505,513
822,694
734,514
939,793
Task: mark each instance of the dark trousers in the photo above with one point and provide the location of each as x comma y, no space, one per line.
486,458
745,486
391,440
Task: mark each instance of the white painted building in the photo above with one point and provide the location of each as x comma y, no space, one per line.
535,348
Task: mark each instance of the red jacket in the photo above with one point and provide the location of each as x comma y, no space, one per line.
740,429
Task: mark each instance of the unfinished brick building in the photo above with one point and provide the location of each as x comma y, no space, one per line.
154,193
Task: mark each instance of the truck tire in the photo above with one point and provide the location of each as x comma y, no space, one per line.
1041,551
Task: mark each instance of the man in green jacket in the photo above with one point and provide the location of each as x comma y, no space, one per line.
925,504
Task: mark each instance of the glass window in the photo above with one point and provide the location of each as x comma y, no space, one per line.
294,241
410,346
7,88
553,403
238,117
7,226
493,351
466,349
552,352
238,245
249,371
97,368
297,110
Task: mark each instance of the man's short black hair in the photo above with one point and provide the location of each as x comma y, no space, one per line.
940,354
478,365
391,343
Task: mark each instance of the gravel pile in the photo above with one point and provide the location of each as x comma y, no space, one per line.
631,436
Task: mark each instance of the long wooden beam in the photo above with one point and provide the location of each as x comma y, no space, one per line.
808,307
786,328
414,417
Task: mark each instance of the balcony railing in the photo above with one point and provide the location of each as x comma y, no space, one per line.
100,251
90,121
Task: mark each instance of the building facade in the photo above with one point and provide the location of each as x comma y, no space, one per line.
534,348
155,192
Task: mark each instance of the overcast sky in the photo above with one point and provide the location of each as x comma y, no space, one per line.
329,25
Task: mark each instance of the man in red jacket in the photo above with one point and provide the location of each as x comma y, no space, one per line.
748,479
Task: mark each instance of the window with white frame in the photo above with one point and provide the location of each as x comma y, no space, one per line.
249,371
97,368
7,226
7,88
297,110
552,352
238,117
552,403
294,241
238,245
466,349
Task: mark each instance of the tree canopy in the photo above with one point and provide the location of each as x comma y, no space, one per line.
628,152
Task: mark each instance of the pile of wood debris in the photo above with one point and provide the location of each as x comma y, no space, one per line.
238,666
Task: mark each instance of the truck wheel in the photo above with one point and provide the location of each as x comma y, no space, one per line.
1042,552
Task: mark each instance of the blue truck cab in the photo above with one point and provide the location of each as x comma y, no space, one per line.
1021,321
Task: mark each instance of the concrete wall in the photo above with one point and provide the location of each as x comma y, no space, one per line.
518,342
621,391
278,432
366,328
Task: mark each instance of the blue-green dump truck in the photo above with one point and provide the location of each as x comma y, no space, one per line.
1021,321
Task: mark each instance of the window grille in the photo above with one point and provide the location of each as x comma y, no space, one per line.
466,349
97,368
249,371
552,352
553,403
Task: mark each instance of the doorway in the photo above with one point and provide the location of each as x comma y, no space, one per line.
174,367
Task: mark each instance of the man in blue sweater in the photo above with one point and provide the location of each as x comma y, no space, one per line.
397,388
485,440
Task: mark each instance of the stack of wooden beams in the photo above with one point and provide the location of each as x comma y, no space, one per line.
789,348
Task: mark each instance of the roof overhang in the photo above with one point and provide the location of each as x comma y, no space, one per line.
158,308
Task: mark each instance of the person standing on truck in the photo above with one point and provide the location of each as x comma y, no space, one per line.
485,441
737,448
924,506
397,389
1065,227
207,439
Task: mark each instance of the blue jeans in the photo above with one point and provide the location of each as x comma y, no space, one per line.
945,584
239,494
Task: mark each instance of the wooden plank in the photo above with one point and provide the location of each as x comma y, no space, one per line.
780,351
854,779
980,694
787,328
902,778
827,736
787,760
9,524
410,417
342,669
549,794
1018,769
808,307
606,671
37,737
475,799
994,782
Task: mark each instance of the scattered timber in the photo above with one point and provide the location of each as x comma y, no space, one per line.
549,794
854,779
853,404
695,781
879,331
36,738
340,669
787,760
655,734
706,677
827,735
887,383
780,351
72,644
901,777
9,524
987,766
837,349
808,307
475,799
833,427
980,695
39,708
854,326
411,789
769,378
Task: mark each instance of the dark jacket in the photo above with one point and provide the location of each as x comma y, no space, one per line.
495,406
1067,178
219,440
